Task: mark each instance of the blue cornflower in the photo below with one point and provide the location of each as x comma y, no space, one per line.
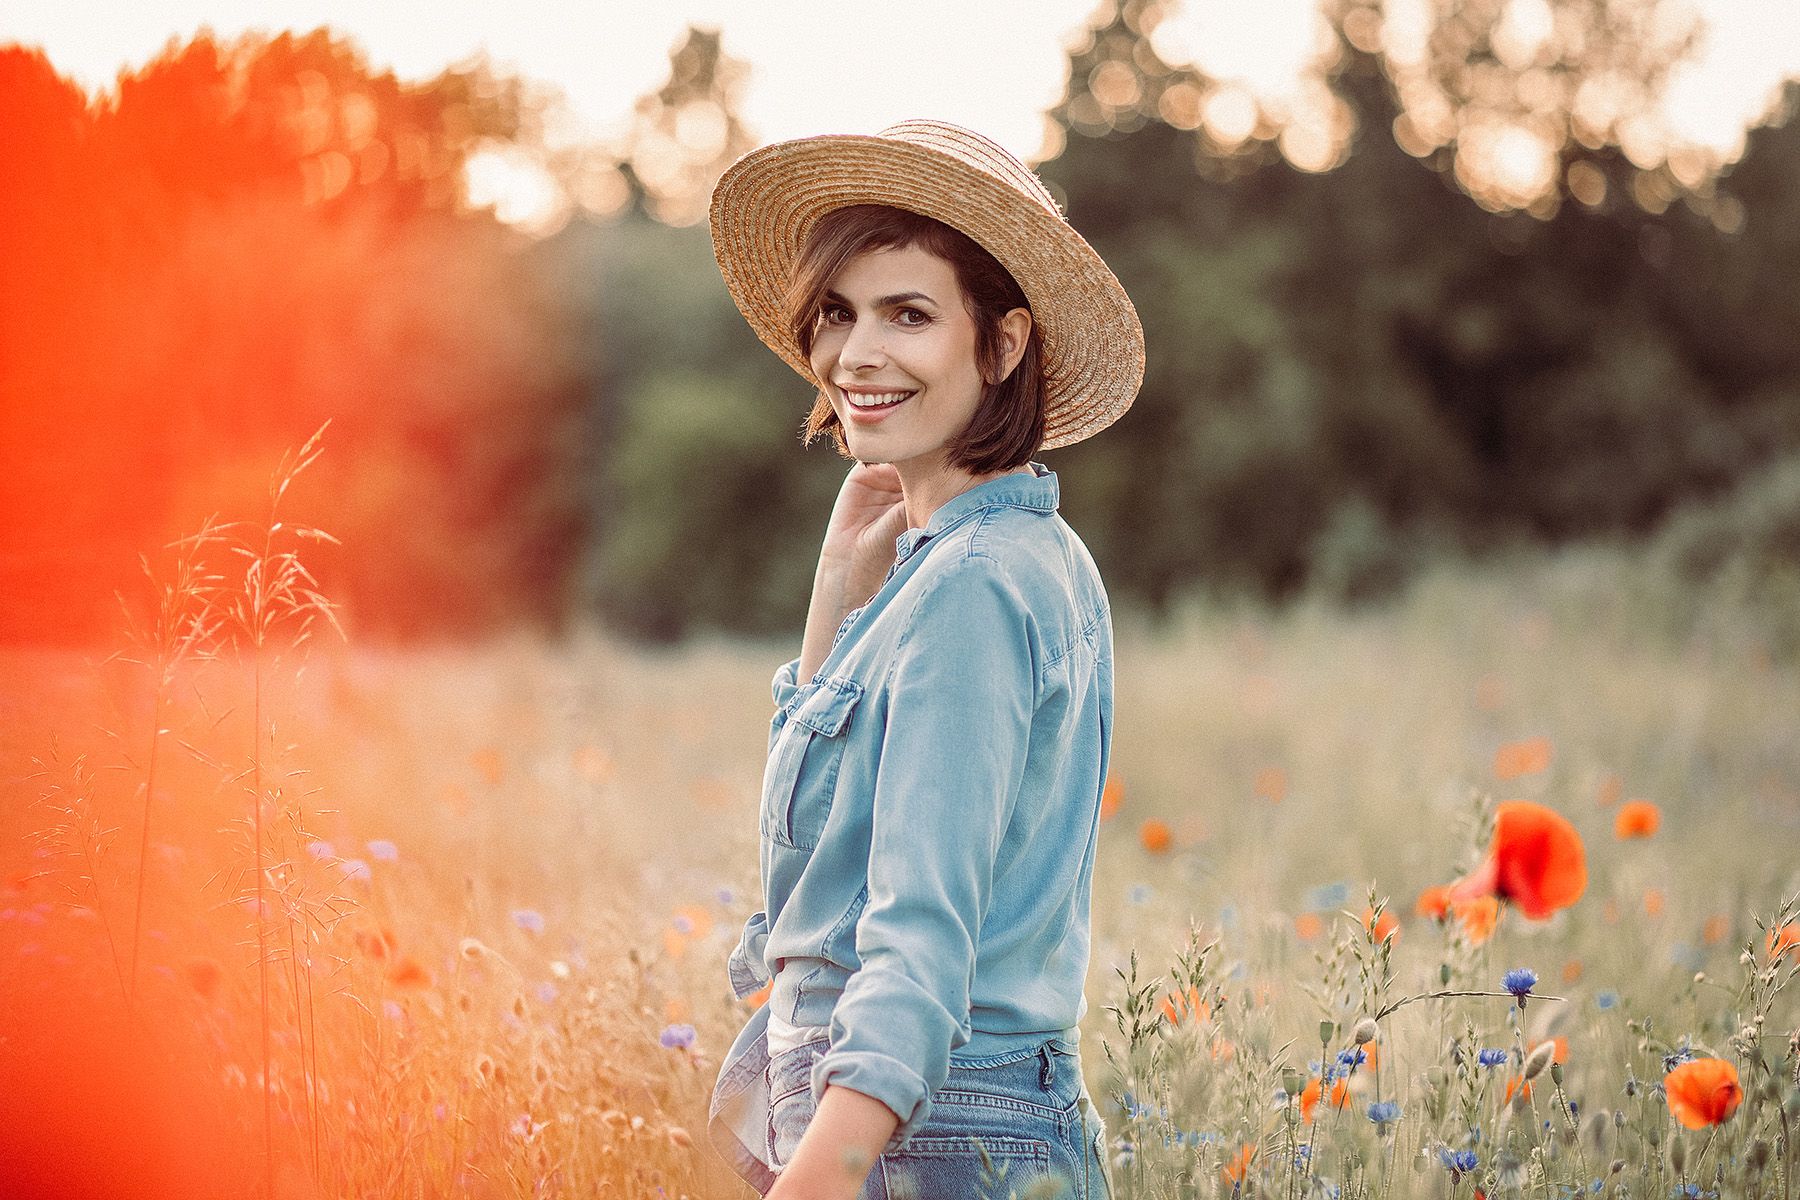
1458,1160
356,869
382,850
683,923
1384,1111
677,1037
1329,895
321,850
1490,1056
1674,1058
724,895
1139,893
528,919
1519,981
546,991
1351,1059
1606,1000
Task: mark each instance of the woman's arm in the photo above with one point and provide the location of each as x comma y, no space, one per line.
869,515
834,1155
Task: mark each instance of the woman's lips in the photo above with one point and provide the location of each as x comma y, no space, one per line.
872,416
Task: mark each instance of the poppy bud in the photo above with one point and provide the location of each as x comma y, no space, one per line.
1326,1029
1538,1059
1556,1073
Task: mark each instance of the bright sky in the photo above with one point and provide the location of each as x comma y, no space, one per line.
819,66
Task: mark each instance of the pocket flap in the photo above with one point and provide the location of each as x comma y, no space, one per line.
826,704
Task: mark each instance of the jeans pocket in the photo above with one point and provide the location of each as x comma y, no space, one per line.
930,1167
791,1104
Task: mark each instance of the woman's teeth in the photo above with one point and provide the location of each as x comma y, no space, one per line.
876,400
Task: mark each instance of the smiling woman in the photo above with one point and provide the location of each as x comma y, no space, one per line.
939,747
882,298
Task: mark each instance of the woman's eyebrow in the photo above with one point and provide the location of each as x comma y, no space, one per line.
885,301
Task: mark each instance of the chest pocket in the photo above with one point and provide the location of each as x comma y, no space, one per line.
802,771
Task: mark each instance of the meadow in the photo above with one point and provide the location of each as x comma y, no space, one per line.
329,919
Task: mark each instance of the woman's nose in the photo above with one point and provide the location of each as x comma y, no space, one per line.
862,345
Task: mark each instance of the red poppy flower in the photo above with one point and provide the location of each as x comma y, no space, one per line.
1309,1097
1111,796
1784,940
1388,924
1522,758
1559,1053
1155,836
1636,819
1233,1171
1185,1005
203,975
409,973
1536,861
1703,1091
1434,902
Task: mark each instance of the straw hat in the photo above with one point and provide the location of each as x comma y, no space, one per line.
765,202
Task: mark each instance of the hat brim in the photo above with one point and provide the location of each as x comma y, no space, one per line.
765,203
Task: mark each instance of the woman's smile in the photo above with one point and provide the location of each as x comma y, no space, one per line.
868,406
888,314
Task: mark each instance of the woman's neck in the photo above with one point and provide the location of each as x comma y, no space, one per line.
927,493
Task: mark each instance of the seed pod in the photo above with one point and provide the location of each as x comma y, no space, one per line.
1366,1031
1326,1029
1758,1157
1678,1155
1538,1059
1556,1073
1291,1083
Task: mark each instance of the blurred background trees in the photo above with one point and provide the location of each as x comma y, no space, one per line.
1463,295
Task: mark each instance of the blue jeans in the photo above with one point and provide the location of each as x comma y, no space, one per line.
1028,1109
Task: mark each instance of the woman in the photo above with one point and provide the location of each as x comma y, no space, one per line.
931,799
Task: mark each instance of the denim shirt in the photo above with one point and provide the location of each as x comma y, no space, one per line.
929,815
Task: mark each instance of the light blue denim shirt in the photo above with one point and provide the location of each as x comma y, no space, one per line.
930,809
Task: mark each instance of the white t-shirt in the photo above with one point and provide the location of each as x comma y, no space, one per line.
783,1036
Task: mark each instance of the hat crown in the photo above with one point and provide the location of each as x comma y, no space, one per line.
982,153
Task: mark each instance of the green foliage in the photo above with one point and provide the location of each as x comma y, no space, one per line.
706,509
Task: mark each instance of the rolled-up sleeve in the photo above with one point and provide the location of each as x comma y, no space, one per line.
783,687
963,691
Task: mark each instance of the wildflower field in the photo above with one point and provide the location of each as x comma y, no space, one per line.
1477,893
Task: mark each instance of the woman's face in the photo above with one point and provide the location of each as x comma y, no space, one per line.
895,350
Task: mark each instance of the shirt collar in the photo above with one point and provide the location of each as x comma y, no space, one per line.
1037,492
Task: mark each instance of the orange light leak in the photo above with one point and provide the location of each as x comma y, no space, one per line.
247,241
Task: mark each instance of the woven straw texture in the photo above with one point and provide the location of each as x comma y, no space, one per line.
765,202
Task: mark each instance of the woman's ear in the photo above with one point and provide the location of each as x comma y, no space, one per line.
1015,330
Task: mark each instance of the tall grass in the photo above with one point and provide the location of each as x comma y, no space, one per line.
452,922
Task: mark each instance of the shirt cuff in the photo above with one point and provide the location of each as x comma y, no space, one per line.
885,1078
786,681
746,967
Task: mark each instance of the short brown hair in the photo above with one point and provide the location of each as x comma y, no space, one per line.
1008,425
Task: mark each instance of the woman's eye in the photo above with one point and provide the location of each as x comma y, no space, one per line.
923,318
829,313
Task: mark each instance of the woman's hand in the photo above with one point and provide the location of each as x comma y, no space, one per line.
869,515
859,547
835,1154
